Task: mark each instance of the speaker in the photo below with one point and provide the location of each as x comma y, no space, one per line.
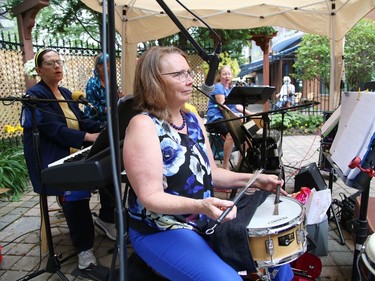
309,176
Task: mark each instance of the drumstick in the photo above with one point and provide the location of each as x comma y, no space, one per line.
235,201
277,197
277,201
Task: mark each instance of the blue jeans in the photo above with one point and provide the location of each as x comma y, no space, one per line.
184,255
181,255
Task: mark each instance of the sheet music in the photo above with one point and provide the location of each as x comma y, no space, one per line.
363,152
331,122
356,128
348,102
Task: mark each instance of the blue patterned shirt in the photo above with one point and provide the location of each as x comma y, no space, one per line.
186,173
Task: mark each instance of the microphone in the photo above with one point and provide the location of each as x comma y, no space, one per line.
80,97
213,61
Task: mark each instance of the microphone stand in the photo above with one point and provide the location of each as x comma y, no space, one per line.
54,260
283,111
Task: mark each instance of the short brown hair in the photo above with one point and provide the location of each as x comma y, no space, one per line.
149,87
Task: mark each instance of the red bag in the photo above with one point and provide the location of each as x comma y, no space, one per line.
306,268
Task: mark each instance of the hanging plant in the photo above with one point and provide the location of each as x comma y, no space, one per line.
29,69
264,30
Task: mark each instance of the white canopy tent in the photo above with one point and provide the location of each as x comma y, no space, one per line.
143,20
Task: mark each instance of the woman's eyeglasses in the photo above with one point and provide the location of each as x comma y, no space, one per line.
181,75
51,63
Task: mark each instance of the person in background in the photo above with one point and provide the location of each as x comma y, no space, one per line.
214,112
63,129
287,94
96,90
171,170
96,95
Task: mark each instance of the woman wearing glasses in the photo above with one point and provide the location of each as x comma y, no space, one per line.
171,170
63,130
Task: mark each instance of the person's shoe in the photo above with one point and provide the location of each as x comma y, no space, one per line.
86,259
108,228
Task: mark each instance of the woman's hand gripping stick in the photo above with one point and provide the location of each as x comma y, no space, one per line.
235,201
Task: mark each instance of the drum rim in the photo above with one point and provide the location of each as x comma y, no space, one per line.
298,220
275,229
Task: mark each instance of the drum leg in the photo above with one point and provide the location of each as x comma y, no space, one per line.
264,274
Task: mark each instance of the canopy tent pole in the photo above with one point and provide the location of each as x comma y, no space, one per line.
333,61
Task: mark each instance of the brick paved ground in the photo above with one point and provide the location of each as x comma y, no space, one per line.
20,223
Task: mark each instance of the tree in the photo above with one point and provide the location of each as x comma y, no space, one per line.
360,54
64,20
73,21
313,56
233,41
313,59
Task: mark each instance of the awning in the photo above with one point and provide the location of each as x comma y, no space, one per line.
287,43
280,50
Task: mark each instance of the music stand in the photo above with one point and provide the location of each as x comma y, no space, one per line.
253,95
249,95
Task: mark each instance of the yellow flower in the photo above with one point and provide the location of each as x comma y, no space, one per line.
9,129
19,128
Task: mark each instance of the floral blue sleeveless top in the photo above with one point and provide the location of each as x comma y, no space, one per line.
186,173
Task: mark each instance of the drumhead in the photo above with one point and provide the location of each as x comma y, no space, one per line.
290,213
368,254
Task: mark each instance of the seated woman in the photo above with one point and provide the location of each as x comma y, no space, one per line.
170,167
214,112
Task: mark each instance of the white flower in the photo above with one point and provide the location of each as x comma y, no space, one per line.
29,69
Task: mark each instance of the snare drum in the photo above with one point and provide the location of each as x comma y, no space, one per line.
277,239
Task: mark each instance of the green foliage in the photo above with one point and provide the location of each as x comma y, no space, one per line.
360,54
233,41
232,63
13,171
264,30
225,59
297,123
65,20
312,58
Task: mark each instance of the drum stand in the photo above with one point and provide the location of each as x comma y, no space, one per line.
265,275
